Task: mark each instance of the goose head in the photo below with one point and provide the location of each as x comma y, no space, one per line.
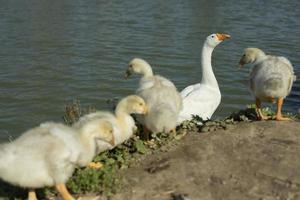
99,129
132,104
214,39
138,66
251,55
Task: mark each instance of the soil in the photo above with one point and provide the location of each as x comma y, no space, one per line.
259,160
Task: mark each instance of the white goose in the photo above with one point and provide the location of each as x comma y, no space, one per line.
202,99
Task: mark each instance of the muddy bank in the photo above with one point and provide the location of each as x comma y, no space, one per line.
259,160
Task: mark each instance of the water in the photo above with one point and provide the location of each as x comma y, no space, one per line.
52,52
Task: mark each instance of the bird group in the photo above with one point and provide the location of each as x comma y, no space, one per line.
47,155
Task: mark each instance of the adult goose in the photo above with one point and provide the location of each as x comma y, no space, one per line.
203,98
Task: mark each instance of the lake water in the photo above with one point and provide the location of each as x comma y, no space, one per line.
53,52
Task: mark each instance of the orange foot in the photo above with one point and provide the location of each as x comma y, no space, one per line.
280,118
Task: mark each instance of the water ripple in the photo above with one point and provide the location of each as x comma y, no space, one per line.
54,52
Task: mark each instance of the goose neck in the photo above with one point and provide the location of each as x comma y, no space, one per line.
120,111
208,76
259,59
147,71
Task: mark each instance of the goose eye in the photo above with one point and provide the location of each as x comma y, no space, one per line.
212,36
130,66
140,104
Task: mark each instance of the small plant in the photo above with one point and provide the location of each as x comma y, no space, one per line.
192,125
103,180
112,103
248,114
73,111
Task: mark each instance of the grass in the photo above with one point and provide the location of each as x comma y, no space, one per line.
107,179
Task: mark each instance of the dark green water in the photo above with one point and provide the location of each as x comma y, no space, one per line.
52,52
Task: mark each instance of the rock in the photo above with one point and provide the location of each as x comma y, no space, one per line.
231,164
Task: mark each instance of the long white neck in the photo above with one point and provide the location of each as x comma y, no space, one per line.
208,76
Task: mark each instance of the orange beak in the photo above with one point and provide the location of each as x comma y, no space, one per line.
222,36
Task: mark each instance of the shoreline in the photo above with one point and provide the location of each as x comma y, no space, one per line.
110,180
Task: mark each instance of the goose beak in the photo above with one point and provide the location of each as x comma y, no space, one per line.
127,74
222,36
241,63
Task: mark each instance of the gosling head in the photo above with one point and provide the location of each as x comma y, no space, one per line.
100,129
133,104
251,55
138,66
214,39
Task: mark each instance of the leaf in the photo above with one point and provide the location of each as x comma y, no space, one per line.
140,147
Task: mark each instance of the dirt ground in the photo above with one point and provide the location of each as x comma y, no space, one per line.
259,160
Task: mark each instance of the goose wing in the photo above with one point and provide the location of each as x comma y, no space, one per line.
189,89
